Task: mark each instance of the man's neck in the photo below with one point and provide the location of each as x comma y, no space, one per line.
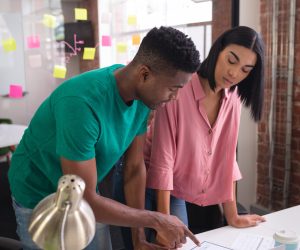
125,83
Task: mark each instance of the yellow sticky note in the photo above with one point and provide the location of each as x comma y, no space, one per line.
9,44
89,53
131,20
59,71
49,21
121,47
80,14
136,39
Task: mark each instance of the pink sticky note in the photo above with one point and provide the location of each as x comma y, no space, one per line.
106,41
15,91
33,42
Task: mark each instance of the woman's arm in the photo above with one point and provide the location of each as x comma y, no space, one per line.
235,220
163,201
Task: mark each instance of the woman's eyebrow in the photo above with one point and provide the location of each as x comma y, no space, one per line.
238,59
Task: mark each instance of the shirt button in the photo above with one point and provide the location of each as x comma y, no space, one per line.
209,152
203,191
209,131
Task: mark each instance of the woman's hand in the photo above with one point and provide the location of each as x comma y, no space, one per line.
248,220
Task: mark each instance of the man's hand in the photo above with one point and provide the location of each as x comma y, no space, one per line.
145,245
172,232
248,220
140,242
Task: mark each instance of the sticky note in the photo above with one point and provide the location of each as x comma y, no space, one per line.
106,41
15,91
131,20
9,44
136,39
59,71
121,47
49,21
89,53
35,61
80,14
33,42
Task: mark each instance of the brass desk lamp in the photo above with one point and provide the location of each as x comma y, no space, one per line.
63,220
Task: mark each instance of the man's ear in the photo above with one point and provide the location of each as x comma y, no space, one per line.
144,72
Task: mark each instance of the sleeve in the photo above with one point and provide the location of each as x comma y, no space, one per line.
143,127
236,172
163,149
77,129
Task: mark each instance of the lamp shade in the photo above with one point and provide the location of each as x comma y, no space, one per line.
63,220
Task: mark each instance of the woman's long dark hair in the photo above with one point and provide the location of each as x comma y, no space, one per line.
251,89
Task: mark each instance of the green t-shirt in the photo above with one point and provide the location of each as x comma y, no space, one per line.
84,118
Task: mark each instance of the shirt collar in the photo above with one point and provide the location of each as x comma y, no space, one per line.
198,90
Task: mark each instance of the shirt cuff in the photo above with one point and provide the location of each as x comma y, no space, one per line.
162,180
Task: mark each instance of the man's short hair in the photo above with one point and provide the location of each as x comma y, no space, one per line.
168,49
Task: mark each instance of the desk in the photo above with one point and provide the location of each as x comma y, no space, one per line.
284,219
11,134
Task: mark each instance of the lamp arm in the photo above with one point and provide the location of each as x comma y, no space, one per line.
62,232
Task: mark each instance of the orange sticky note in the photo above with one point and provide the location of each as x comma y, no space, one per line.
59,71
89,53
15,91
80,14
131,20
136,39
121,47
9,44
49,21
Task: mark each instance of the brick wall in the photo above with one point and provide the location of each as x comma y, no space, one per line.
92,8
221,17
263,185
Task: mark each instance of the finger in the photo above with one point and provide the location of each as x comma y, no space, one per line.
183,240
178,245
191,236
260,218
156,246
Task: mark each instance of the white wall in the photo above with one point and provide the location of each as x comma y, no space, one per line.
247,143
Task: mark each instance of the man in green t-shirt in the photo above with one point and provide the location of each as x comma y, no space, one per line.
92,119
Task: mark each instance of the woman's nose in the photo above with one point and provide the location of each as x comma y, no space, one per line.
174,95
233,73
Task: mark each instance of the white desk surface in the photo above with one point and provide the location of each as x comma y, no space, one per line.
11,134
288,219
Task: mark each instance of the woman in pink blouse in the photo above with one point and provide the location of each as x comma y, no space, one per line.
191,153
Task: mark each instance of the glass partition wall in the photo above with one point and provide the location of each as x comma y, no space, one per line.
123,23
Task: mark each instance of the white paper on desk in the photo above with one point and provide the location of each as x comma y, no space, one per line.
281,247
210,246
247,241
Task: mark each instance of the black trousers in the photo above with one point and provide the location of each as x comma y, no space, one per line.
202,219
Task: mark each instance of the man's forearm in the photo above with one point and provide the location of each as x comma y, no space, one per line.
109,211
135,186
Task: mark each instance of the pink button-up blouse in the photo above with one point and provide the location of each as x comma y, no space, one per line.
184,154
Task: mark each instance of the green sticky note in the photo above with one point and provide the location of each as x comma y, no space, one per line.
80,14
49,21
59,71
89,53
9,44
